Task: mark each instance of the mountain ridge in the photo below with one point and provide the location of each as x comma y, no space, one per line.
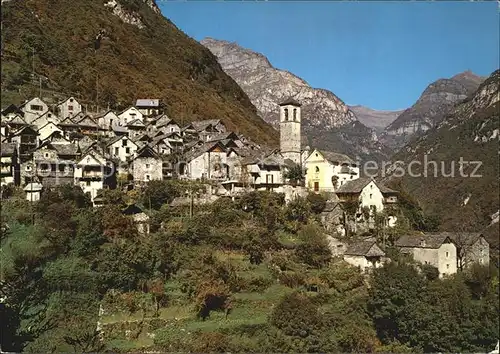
324,115
437,99
469,131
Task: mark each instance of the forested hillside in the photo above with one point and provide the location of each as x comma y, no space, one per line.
254,275
112,54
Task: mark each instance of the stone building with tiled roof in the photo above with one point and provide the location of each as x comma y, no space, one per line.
435,249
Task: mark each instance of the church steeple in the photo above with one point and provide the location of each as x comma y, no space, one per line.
290,122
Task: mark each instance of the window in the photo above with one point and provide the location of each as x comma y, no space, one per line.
127,150
317,169
371,196
269,179
87,183
36,107
117,151
28,168
70,108
316,186
46,155
294,114
124,142
147,165
148,177
447,266
286,113
171,129
447,254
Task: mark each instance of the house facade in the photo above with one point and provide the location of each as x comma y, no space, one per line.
8,164
69,108
93,173
122,148
472,248
149,107
129,115
365,255
435,249
326,171
33,109
367,192
147,165
207,162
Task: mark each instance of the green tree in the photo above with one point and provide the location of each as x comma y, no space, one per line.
314,249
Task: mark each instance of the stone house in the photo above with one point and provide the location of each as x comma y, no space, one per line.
326,171
87,126
107,119
206,129
33,109
472,247
16,123
33,191
365,255
169,126
189,132
69,107
147,165
129,115
47,130
136,128
26,140
54,163
206,162
122,148
9,112
93,173
435,249
45,118
141,219
148,107
368,193
8,164
265,173
69,126
161,145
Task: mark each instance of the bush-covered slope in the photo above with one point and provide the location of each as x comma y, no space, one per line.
151,58
470,198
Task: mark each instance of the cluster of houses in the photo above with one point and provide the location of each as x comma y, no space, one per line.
448,252
43,146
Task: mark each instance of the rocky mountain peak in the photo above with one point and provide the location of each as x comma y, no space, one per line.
232,56
327,121
431,107
267,86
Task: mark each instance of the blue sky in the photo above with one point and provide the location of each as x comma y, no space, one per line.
378,54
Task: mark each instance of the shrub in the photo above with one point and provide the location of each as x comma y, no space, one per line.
315,250
317,202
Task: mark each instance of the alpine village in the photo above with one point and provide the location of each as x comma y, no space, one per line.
151,203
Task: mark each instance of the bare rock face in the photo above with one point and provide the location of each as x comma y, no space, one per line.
375,119
327,121
435,102
267,86
130,16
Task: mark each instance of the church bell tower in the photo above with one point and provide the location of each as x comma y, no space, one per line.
290,121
